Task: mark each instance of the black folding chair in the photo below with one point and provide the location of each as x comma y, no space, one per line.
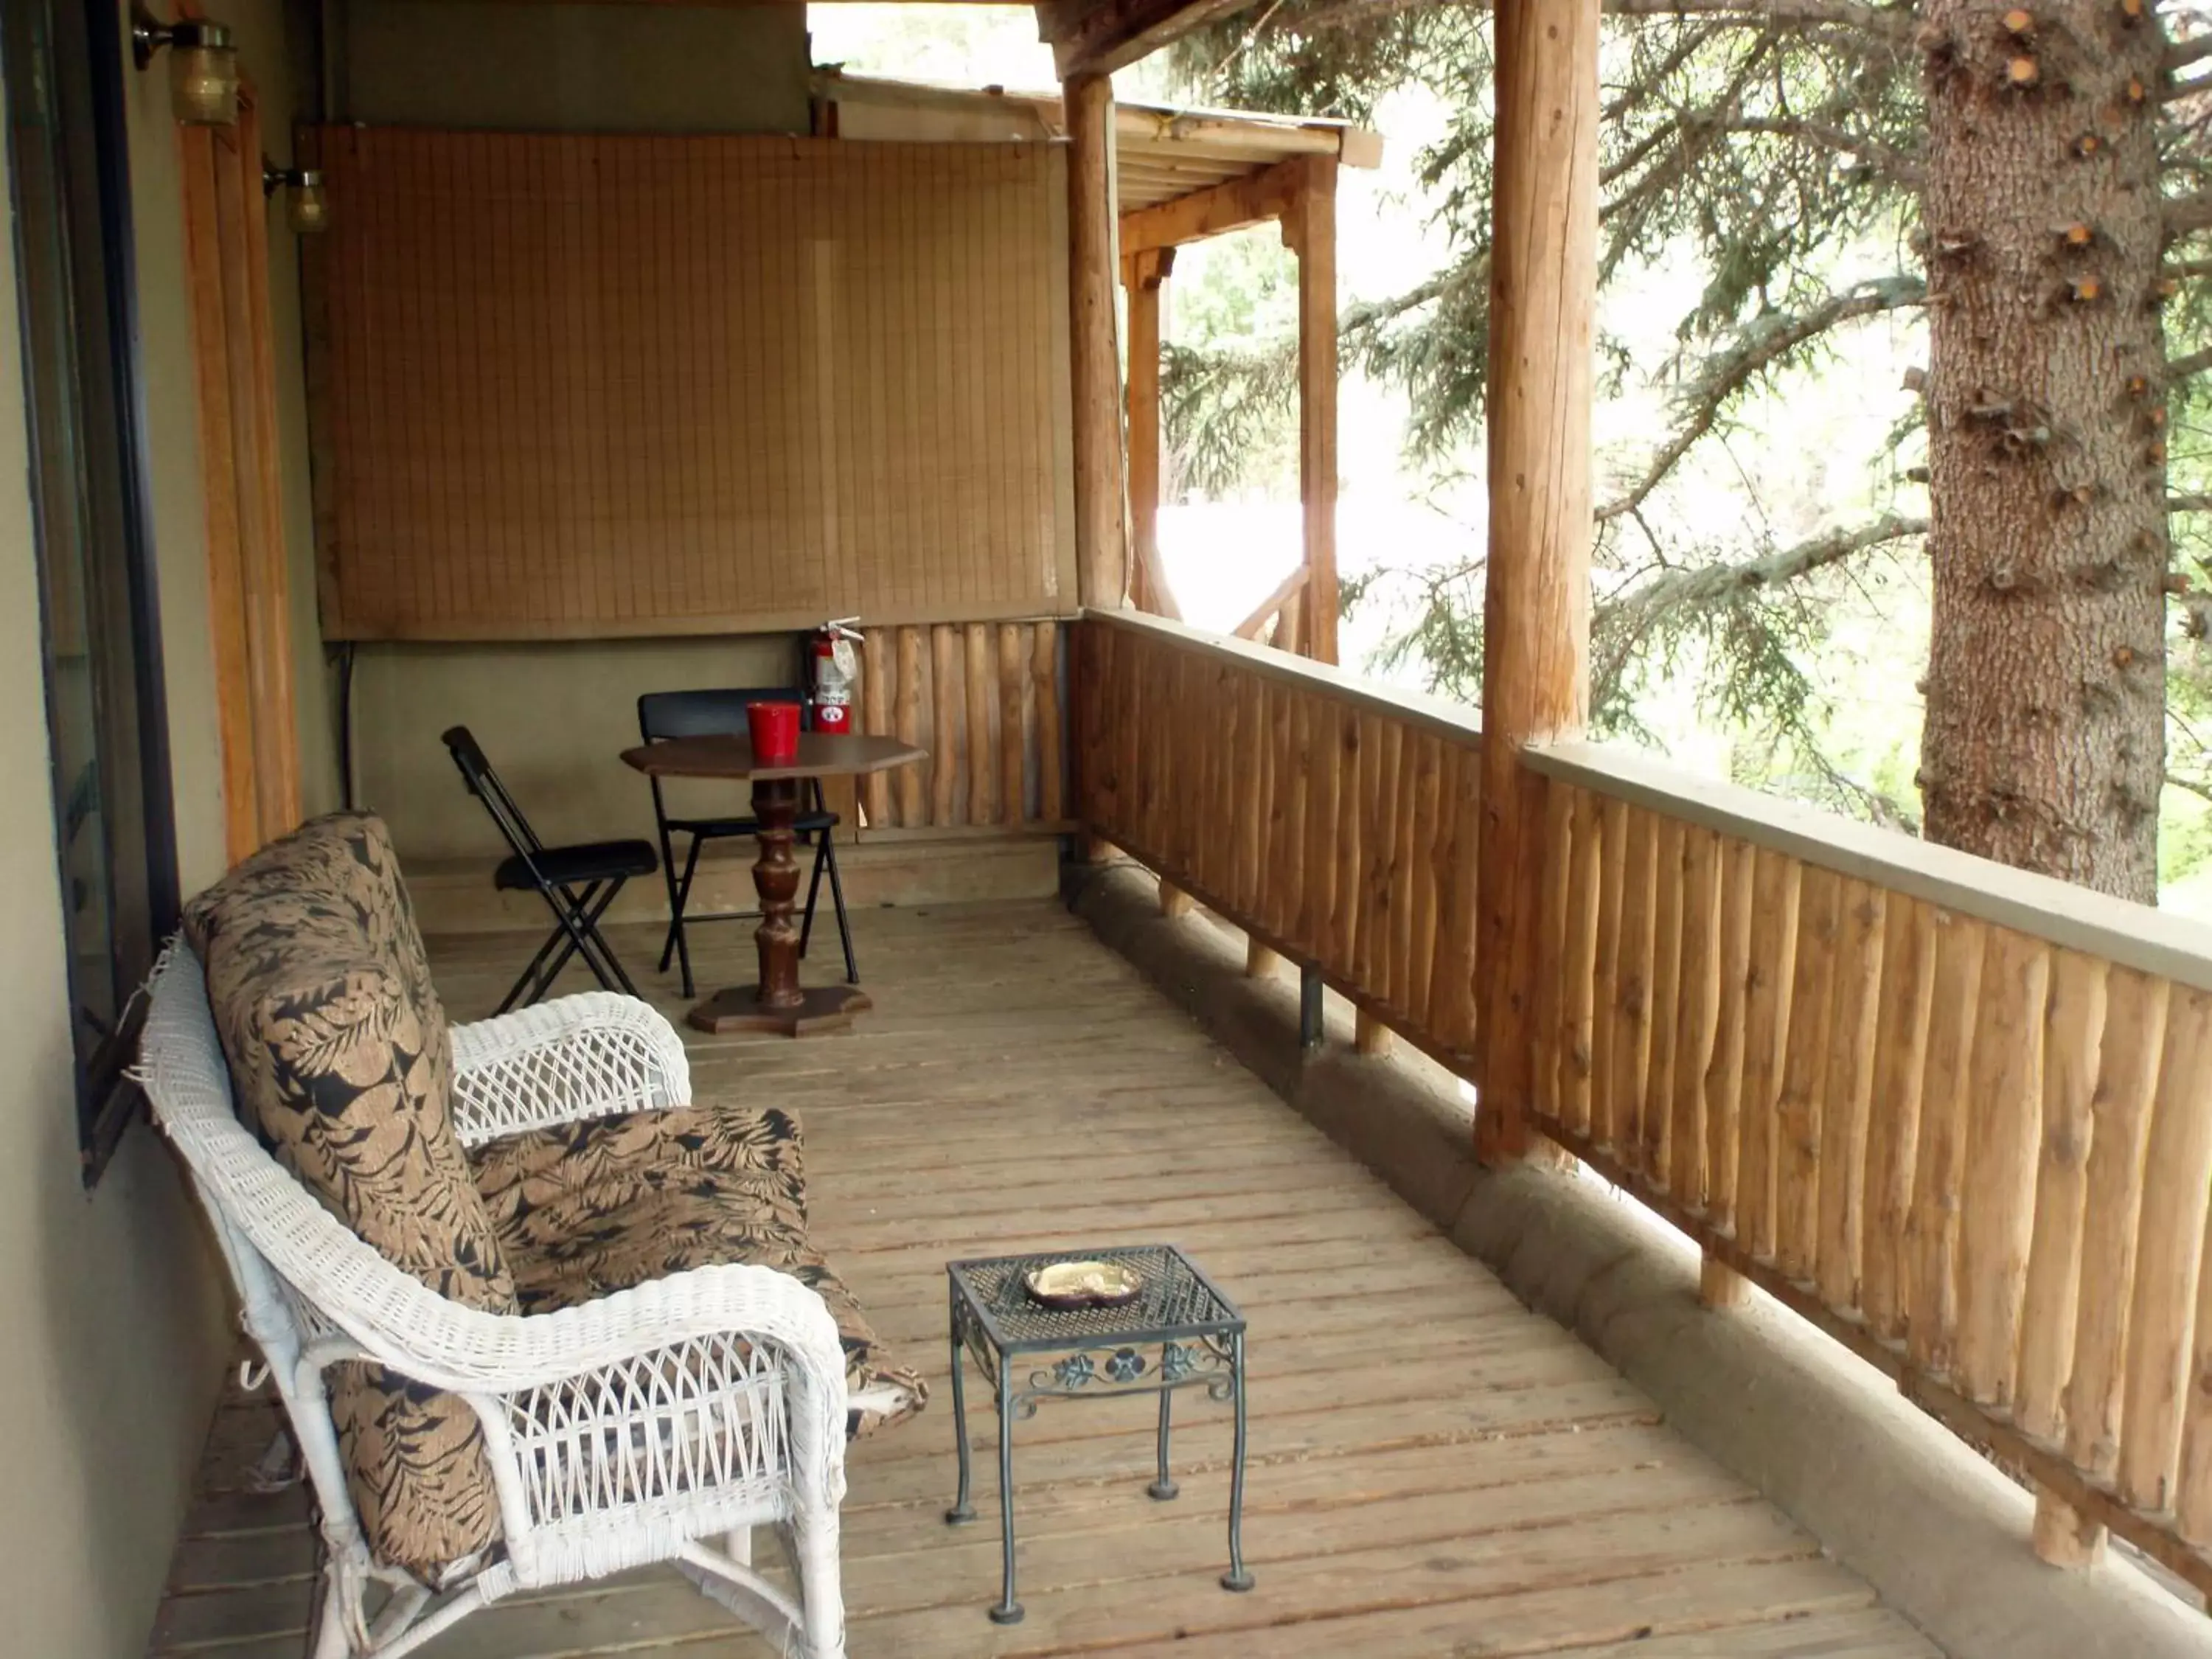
663,714
577,883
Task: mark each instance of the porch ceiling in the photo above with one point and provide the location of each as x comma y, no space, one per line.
1161,152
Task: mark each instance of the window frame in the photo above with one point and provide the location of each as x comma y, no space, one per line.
106,404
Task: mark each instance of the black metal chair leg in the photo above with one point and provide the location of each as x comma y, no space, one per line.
667,875
570,939
844,922
813,892
578,914
678,939
590,927
553,940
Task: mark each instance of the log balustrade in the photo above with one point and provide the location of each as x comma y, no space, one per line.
1958,1116
1331,819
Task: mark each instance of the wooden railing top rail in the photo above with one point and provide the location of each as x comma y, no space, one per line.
2133,935
1439,715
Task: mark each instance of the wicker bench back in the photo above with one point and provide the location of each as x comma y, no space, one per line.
341,1063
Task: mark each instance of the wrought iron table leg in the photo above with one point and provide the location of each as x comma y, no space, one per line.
1009,1611
962,1510
1164,1487
1237,1578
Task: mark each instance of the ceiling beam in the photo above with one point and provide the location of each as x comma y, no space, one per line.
1215,212
1096,37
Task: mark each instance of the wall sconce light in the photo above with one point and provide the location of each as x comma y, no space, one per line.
202,65
306,210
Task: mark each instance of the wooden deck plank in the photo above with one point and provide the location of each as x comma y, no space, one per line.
1433,1468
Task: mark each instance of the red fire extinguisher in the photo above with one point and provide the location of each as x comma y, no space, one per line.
832,658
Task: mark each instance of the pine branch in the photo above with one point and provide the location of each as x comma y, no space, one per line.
1765,343
1624,623
1705,583
2181,369
1893,163
2189,503
2182,54
2184,214
1883,23
2195,787
1891,22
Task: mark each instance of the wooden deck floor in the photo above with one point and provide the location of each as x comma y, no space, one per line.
1434,1469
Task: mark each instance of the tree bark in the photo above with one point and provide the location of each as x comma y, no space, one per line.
2044,740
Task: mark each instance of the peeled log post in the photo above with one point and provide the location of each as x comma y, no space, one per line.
1536,603
1101,549
1143,275
1312,226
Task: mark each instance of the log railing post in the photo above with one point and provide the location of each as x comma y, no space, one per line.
1143,275
1101,550
1310,229
1536,607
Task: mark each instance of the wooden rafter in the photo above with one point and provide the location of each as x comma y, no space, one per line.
1215,212
1096,37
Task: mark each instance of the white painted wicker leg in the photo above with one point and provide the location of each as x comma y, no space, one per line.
821,1587
330,1641
738,1545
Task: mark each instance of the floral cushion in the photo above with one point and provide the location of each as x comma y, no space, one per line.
341,1063
586,1209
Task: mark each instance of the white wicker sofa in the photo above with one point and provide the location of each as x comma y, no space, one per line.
463,1445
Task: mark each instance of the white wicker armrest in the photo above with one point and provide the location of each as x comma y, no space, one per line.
590,1056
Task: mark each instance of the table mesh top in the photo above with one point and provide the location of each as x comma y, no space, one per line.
1176,1295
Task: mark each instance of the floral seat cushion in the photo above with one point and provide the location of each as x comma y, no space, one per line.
585,1209
341,1064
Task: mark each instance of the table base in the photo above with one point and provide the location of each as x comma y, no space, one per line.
820,1009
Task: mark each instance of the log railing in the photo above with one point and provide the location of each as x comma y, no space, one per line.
1334,821
1276,619
1956,1116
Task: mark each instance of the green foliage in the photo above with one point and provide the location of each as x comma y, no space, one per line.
1229,410
1773,153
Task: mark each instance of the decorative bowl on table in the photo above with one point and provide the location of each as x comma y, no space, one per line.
1084,1285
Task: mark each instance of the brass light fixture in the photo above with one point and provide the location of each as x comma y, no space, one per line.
306,210
202,65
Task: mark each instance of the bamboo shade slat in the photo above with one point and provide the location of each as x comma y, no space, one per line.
572,386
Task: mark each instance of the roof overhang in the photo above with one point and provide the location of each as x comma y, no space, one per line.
1162,153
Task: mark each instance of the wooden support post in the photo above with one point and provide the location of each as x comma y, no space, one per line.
1174,901
1370,1036
1720,1286
1310,229
1536,607
2064,1536
1259,962
1101,550
1143,274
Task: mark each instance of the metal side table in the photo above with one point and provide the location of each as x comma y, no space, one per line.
1181,1332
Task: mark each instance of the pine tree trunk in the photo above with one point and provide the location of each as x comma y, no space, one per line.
2045,743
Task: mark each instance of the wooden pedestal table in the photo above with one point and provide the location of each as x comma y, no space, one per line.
779,1002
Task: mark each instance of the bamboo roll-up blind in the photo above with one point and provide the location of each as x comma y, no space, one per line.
569,387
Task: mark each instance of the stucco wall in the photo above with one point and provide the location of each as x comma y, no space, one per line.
553,717
114,1314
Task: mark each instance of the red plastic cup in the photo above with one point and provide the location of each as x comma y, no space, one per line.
774,729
